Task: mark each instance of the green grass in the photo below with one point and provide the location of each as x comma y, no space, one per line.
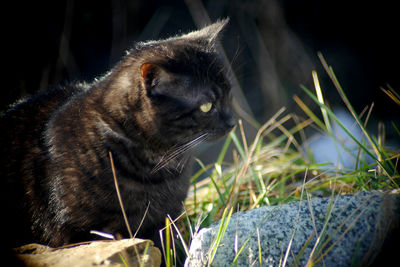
274,168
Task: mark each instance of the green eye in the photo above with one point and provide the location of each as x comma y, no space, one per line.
206,107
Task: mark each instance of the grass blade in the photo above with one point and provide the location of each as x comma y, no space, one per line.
392,94
346,101
168,256
119,195
308,111
221,232
224,149
321,100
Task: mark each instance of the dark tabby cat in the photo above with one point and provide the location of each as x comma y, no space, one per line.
162,99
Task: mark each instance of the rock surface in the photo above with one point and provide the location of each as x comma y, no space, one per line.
340,231
95,253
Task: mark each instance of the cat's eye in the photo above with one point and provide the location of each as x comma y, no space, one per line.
206,107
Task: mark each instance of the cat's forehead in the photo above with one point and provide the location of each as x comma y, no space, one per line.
200,64
204,76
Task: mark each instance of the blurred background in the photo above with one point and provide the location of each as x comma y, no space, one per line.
272,46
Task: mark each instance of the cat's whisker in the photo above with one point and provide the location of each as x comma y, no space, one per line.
188,145
177,152
185,147
181,164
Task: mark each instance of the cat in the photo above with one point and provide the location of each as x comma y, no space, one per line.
163,98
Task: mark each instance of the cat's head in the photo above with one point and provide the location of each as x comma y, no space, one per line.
185,92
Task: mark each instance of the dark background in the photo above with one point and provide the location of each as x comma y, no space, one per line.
272,45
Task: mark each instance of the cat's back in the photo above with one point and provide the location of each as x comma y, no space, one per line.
32,111
23,125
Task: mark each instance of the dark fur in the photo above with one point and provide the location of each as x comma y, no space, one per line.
55,165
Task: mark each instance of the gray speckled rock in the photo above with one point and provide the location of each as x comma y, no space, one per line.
351,233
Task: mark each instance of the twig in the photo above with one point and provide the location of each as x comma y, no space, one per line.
119,195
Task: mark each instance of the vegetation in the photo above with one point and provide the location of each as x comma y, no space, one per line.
276,167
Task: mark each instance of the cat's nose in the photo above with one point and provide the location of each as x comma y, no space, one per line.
229,120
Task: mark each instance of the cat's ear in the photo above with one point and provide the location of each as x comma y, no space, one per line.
210,33
153,77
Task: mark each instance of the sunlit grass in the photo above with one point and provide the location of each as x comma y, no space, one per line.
276,167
